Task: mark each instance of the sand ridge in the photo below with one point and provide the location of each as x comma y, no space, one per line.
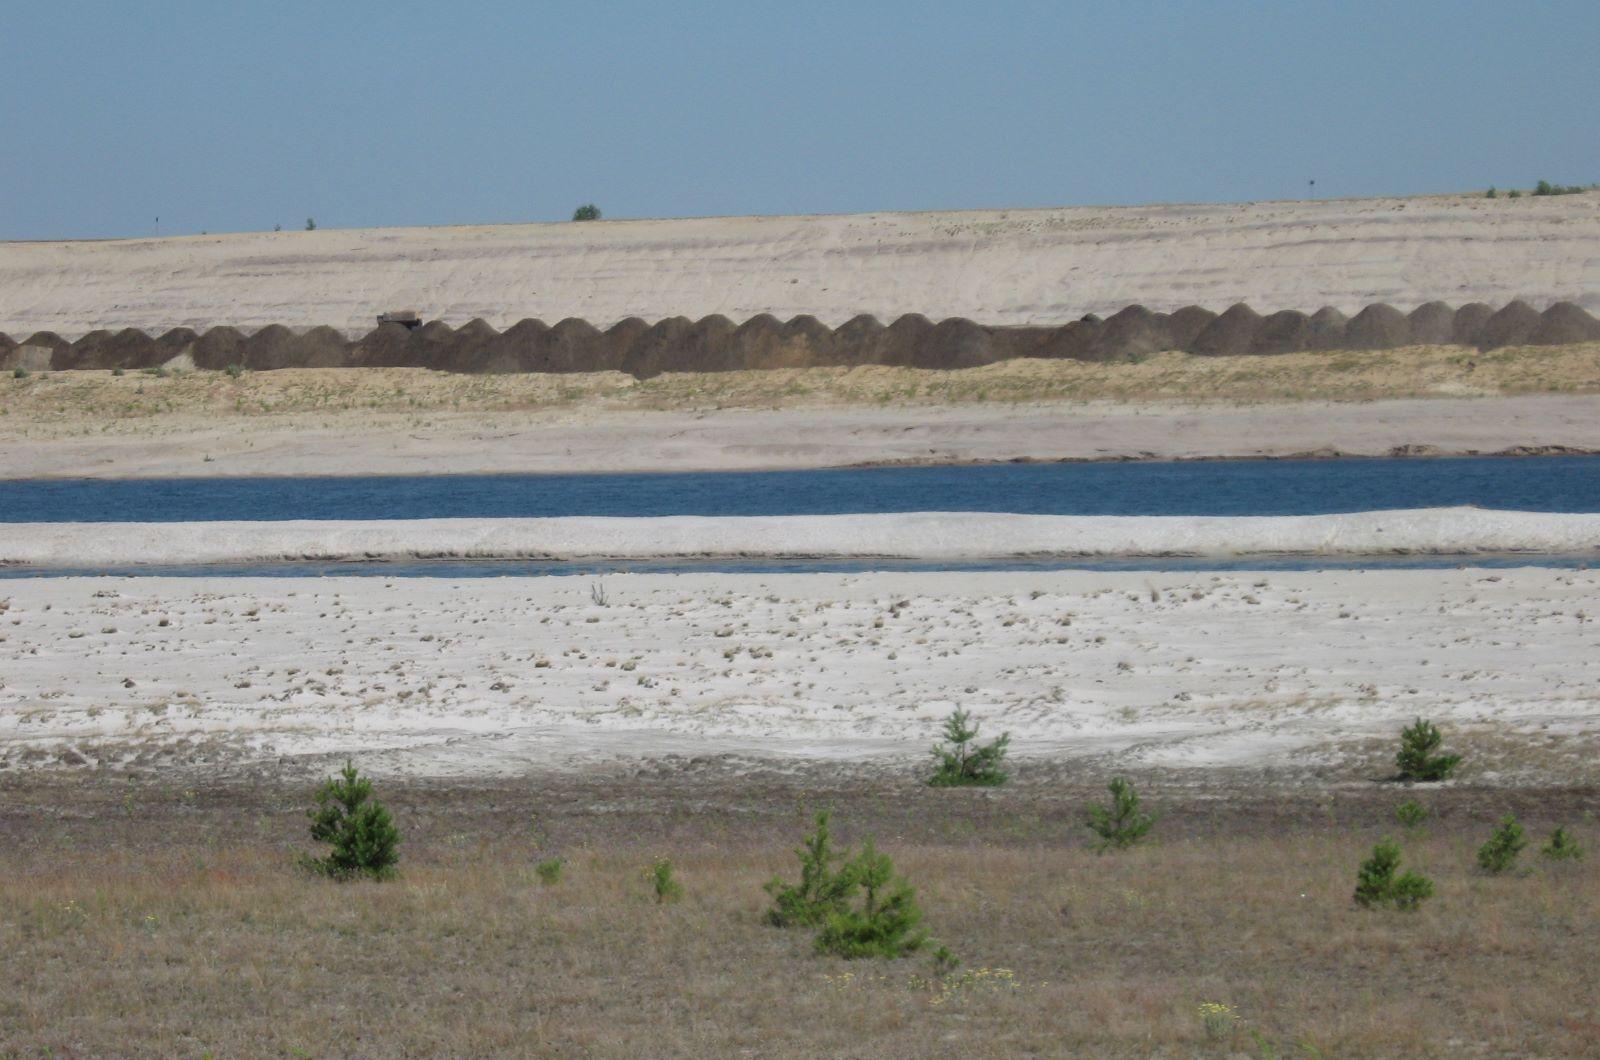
926,535
1037,266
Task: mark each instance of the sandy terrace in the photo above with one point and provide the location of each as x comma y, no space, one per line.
395,421
1303,674
993,266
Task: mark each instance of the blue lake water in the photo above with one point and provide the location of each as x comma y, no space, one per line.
1220,487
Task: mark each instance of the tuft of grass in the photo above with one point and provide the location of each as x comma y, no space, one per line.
549,871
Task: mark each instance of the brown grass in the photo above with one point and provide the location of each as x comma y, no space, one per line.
137,918
73,403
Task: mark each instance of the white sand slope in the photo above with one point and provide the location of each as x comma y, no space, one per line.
907,535
1295,671
995,267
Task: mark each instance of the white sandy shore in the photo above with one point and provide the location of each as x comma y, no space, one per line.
734,439
993,266
1292,670
903,535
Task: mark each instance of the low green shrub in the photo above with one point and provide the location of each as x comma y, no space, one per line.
664,883
822,889
1377,883
234,371
549,871
1416,757
19,373
1411,814
885,922
1122,824
357,827
1499,854
1561,847
587,212
961,762
1544,187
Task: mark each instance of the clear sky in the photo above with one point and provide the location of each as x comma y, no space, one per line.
226,116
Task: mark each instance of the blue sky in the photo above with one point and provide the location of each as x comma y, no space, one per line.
224,117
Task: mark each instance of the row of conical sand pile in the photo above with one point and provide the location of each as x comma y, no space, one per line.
717,344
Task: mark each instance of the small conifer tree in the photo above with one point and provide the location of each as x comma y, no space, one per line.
1377,884
1122,824
664,883
1561,847
1416,757
885,924
358,828
822,890
962,762
1411,813
1499,854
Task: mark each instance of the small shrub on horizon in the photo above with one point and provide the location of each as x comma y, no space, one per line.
1377,883
1411,813
311,224
1561,847
1499,854
822,890
1490,193
549,871
19,373
1513,194
962,762
1416,758
1122,824
666,886
587,212
885,924
359,829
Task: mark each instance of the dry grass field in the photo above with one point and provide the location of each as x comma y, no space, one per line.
143,917
82,403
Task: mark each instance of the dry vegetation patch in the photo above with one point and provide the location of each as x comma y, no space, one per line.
77,403
140,918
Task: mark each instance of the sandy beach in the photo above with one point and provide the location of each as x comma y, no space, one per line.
1305,674
70,440
927,536
992,266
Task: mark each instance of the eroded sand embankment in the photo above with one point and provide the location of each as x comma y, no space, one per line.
904,535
